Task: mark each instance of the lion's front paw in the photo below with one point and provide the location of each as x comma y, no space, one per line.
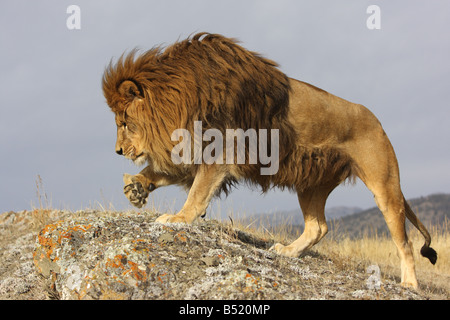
136,193
172,218
277,247
283,250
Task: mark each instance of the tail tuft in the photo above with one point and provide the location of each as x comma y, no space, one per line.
426,250
429,253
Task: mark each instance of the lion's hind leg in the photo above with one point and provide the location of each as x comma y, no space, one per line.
379,172
312,203
392,206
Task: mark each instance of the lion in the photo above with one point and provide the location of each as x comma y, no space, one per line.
323,140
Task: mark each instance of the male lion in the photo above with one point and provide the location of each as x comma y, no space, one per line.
323,139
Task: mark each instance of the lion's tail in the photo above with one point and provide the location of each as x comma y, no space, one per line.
426,250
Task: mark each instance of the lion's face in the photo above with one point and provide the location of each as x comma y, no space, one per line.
130,139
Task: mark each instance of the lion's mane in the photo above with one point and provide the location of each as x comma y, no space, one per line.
212,79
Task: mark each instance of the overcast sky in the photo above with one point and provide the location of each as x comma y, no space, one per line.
54,121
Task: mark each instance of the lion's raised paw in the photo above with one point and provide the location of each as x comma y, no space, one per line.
136,193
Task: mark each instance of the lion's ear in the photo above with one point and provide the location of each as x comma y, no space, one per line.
129,90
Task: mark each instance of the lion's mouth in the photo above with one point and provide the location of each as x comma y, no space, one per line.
131,154
139,159
139,155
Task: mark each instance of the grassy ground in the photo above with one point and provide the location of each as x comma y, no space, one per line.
379,250
382,249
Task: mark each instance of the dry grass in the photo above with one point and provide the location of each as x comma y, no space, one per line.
41,214
381,249
359,253
369,248
284,232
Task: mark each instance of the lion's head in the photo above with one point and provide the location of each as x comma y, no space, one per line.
130,132
144,114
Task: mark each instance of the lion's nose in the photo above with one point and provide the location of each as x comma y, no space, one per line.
119,151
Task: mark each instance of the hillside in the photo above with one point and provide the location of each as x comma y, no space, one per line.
432,210
126,255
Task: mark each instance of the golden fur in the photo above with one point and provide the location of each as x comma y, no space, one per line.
323,139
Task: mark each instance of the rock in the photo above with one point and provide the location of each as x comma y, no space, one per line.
211,261
165,238
129,256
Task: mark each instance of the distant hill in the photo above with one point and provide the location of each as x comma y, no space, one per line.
295,217
432,210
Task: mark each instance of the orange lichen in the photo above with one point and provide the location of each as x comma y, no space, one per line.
129,268
166,228
67,234
136,272
46,241
160,277
116,262
181,237
253,280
